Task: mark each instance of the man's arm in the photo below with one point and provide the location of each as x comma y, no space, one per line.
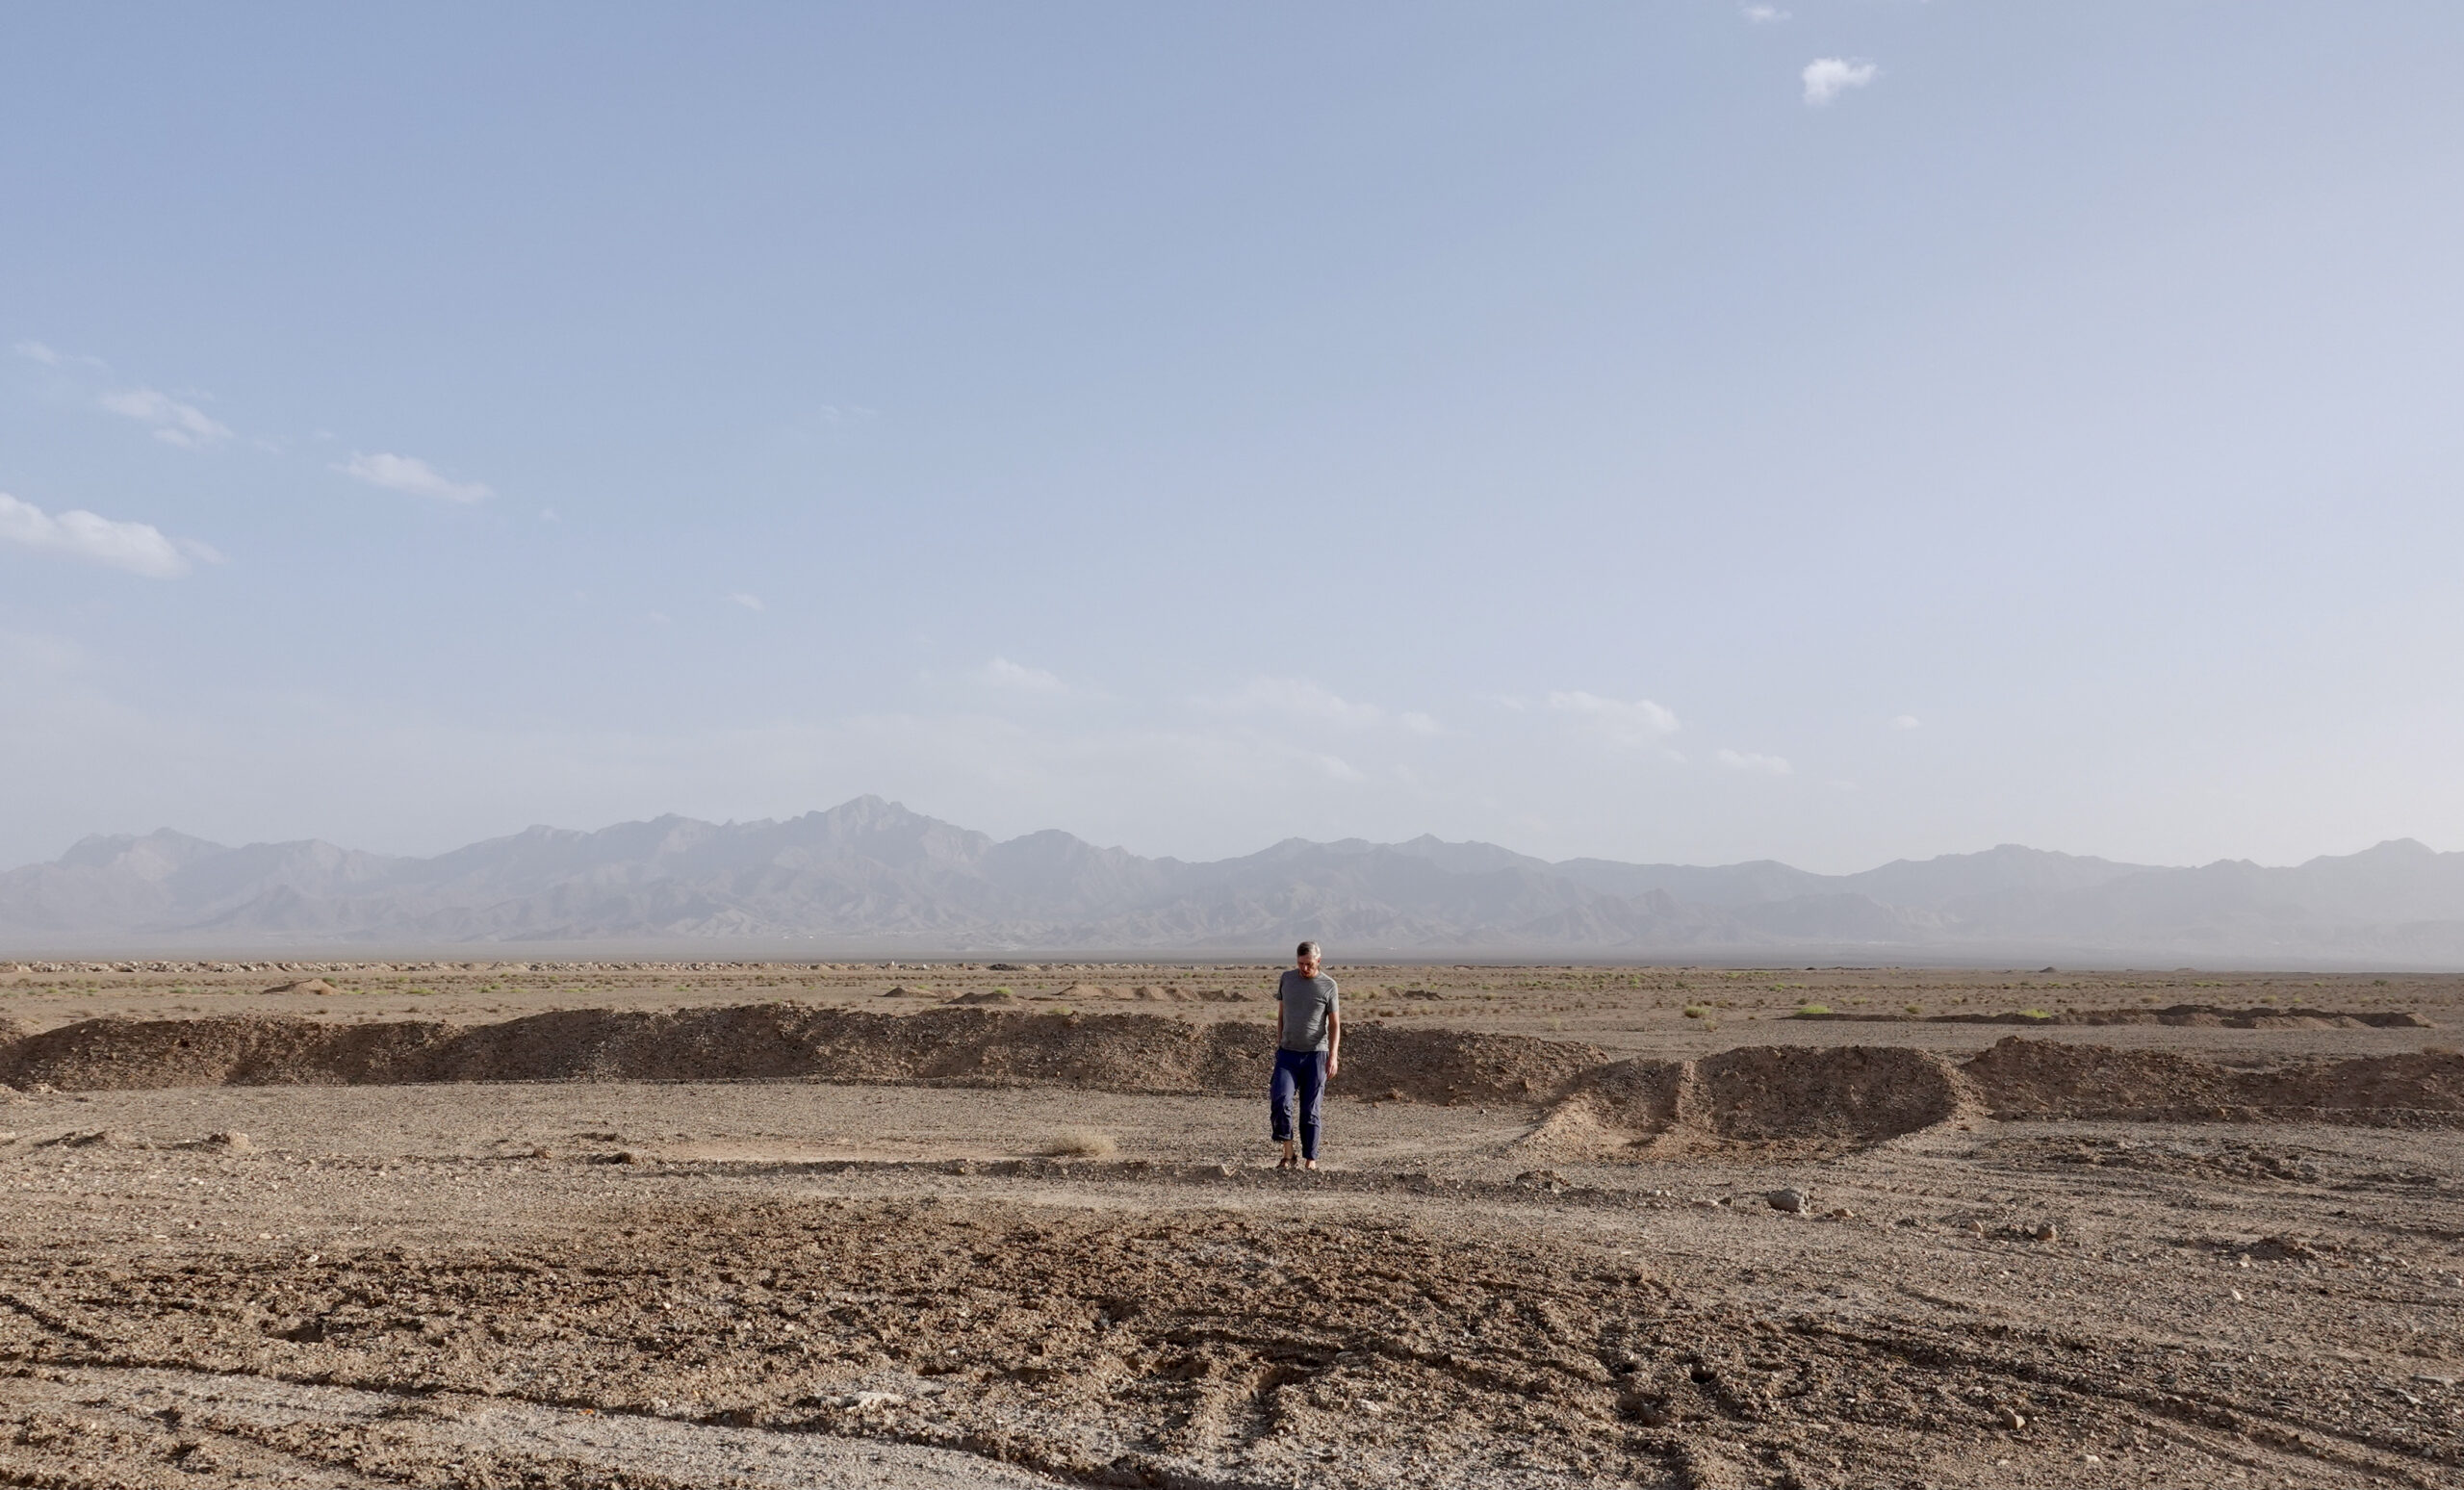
1334,1042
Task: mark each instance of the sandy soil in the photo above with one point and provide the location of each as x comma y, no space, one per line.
888,1279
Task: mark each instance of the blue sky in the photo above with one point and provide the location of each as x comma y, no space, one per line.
1656,429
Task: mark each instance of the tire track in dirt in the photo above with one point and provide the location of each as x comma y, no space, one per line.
1191,1347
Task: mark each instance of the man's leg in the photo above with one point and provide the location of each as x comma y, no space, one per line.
1279,1101
1313,1087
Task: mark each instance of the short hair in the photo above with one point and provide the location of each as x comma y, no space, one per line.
1307,949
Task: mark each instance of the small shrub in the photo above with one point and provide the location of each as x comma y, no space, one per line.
1081,1143
1915,1008
1814,1011
2035,1013
1697,1010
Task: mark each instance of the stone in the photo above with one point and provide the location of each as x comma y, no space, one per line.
2010,1418
872,1401
232,1142
1793,1201
2048,1231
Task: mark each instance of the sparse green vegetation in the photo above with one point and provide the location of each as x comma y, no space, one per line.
1697,1010
1813,1011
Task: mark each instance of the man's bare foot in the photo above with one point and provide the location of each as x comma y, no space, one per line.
1309,1164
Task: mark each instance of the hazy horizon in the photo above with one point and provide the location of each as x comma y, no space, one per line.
1831,432
1255,848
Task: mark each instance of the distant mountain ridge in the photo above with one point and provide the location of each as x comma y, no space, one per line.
870,874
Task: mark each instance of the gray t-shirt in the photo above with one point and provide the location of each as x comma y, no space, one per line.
1309,1007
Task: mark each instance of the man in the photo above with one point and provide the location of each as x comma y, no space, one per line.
1309,1040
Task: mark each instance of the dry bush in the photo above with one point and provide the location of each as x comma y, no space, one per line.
1081,1143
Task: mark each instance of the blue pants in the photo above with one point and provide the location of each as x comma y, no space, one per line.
1301,1075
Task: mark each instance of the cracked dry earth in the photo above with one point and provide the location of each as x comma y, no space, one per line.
789,1284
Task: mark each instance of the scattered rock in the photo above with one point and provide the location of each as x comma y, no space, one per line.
96,1138
1793,1201
2011,1418
2046,1231
231,1143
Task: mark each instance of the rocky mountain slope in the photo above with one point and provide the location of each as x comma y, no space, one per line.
871,874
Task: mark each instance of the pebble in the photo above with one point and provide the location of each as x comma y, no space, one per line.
2010,1418
2048,1231
871,1401
1791,1201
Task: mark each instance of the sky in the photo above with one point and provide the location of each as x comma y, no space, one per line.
1660,430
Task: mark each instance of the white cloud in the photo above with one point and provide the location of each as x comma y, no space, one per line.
38,352
138,548
747,601
1826,78
1019,678
174,423
1906,722
1752,760
1766,14
409,473
1638,723
1297,698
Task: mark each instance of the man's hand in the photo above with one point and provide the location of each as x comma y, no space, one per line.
1334,1064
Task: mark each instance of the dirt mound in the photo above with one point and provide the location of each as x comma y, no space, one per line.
1615,1109
2046,1078
306,985
2036,1078
1117,1052
2184,1015
1760,1093
1456,1066
1153,993
1848,1091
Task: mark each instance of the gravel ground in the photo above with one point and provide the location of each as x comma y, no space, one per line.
773,1282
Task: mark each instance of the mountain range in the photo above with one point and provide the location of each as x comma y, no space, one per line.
871,876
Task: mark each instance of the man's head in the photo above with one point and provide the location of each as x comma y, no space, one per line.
1306,959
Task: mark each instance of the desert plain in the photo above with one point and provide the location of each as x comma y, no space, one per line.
667,1223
